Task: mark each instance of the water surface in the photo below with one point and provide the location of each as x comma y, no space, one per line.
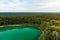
19,33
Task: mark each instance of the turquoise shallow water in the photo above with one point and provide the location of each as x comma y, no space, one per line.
19,33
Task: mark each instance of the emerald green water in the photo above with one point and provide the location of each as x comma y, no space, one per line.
19,33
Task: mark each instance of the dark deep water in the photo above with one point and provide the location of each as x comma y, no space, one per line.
19,33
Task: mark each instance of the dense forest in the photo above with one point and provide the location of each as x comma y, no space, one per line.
48,23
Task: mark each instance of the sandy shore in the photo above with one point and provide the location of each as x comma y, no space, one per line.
9,25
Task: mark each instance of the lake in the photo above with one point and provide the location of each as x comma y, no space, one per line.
19,33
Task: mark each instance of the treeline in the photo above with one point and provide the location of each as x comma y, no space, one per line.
20,20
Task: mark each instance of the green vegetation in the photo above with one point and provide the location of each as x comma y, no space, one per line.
48,23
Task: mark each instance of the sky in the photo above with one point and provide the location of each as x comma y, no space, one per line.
29,5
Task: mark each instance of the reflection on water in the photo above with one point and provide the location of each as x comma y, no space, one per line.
19,33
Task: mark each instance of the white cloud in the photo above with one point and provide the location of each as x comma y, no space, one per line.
14,5
47,6
30,5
